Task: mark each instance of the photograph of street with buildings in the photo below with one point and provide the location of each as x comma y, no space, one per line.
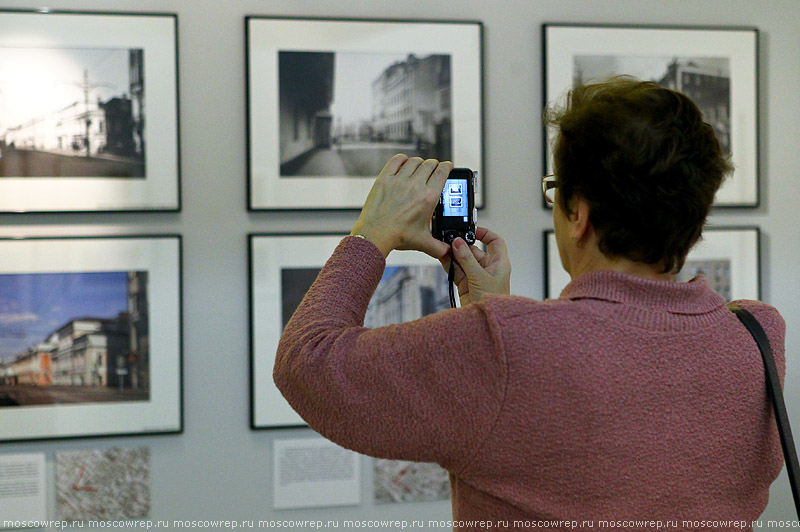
706,80
78,337
68,112
346,113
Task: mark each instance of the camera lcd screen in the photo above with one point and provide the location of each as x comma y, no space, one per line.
455,199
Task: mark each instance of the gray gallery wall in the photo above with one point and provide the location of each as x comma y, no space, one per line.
218,468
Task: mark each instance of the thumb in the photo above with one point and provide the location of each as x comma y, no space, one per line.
466,259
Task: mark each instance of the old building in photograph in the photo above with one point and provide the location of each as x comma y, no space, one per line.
33,367
86,127
408,293
305,95
411,103
79,128
136,75
709,87
138,358
89,352
119,127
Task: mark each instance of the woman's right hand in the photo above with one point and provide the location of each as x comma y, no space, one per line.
477,272
397,212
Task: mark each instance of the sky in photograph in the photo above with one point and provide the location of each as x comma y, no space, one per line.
389,272
35,82
353,74
32,306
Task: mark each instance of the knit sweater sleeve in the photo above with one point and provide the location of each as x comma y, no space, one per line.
427,390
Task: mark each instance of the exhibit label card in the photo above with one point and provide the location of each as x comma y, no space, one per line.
22,495
314,472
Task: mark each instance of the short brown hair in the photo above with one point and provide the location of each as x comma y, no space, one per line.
646,163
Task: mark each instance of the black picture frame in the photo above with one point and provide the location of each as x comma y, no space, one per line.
93,344
95,126
715,66
312,152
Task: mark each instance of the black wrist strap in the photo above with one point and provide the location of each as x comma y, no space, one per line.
776,395
451,276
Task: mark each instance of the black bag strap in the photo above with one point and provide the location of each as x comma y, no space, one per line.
776,395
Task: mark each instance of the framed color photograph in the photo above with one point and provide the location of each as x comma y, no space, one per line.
331,100
282,268
90,337
729,257
88,112
716,67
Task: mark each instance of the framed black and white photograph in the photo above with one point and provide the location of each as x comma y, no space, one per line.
88,112
282,268
331,100
90,337
729,257
716,67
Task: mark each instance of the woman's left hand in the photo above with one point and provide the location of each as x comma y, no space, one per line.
399,206
480,273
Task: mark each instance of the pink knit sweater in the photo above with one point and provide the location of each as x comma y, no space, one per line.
625,400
